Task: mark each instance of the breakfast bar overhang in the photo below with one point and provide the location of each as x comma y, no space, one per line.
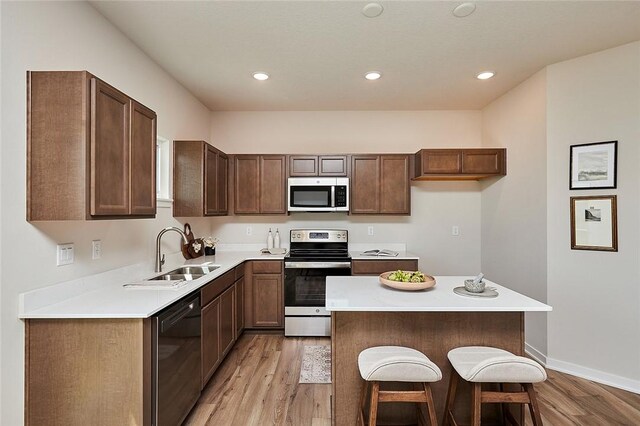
366,313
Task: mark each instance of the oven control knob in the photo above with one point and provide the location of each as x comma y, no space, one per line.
317,311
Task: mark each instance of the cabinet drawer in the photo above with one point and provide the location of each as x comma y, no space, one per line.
216,287
267,267
376,267
239,271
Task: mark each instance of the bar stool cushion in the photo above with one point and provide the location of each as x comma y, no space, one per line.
397,364
482,364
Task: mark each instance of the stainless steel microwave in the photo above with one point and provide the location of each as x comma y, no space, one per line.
318,194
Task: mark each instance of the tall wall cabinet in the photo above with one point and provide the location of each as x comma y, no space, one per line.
91,149
200,180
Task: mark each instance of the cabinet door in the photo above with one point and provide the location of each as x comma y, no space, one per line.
267,301
211,353
365,192
247,184
441,161
272,184
395,195
303,165
109,150
222,189
239,306
332,165
227,320
143,160
210,180
483,161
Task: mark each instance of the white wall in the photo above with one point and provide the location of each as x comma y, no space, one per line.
70,36
436,206
514,209
595,326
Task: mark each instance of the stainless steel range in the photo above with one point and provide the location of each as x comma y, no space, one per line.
314,254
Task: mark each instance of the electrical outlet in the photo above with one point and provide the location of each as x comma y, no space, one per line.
96,249
370,230
249,230
455,230
64,254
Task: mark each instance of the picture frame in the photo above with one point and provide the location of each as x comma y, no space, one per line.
593,165
594,223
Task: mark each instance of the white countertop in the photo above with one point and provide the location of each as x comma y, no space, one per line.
366,294
102,295
402,255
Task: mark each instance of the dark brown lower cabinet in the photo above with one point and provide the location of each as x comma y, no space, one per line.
211,353
239,306
218,322
376,267
227,320
264,295
268,304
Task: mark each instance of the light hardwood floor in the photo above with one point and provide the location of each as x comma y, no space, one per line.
257,384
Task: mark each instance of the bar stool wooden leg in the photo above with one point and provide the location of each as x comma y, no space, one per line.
476,403
451,398
363,401
431,409
533,405
373,409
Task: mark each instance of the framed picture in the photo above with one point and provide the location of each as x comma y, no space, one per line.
593,165
594,223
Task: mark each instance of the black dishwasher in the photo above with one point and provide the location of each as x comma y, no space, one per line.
175,358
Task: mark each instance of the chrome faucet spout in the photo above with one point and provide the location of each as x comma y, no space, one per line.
159,256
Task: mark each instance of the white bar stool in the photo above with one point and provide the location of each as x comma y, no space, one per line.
482,364
396,364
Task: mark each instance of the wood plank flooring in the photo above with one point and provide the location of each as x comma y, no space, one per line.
257,384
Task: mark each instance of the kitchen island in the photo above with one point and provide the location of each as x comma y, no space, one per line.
366,313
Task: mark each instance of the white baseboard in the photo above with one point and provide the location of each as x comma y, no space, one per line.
535,354
583,372
594,375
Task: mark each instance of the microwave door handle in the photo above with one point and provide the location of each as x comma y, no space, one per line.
333,195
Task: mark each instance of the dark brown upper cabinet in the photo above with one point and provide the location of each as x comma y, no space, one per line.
259,184
90,150
318,165
460,164
199,180
380,184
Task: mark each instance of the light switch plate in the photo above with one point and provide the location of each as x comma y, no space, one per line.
455,230
64,254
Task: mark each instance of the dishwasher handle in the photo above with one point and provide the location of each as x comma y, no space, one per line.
169,322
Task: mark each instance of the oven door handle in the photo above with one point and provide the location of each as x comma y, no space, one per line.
317,265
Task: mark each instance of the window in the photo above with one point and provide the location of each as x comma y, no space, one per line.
162,169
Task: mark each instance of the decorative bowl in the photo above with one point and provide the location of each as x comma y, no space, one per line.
472,287
428,282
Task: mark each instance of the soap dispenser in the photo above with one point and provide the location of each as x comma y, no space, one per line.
270,240
276,239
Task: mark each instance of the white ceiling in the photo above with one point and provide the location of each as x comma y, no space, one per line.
318,51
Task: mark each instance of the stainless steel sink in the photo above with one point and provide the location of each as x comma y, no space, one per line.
187,273
169,277
201,270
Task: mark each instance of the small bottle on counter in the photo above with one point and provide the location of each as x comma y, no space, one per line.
270,240
276,239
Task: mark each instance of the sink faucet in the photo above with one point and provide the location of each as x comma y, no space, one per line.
159,258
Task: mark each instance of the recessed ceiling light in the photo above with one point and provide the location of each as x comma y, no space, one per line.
463,10
485,75
260,75
372,75
372,10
